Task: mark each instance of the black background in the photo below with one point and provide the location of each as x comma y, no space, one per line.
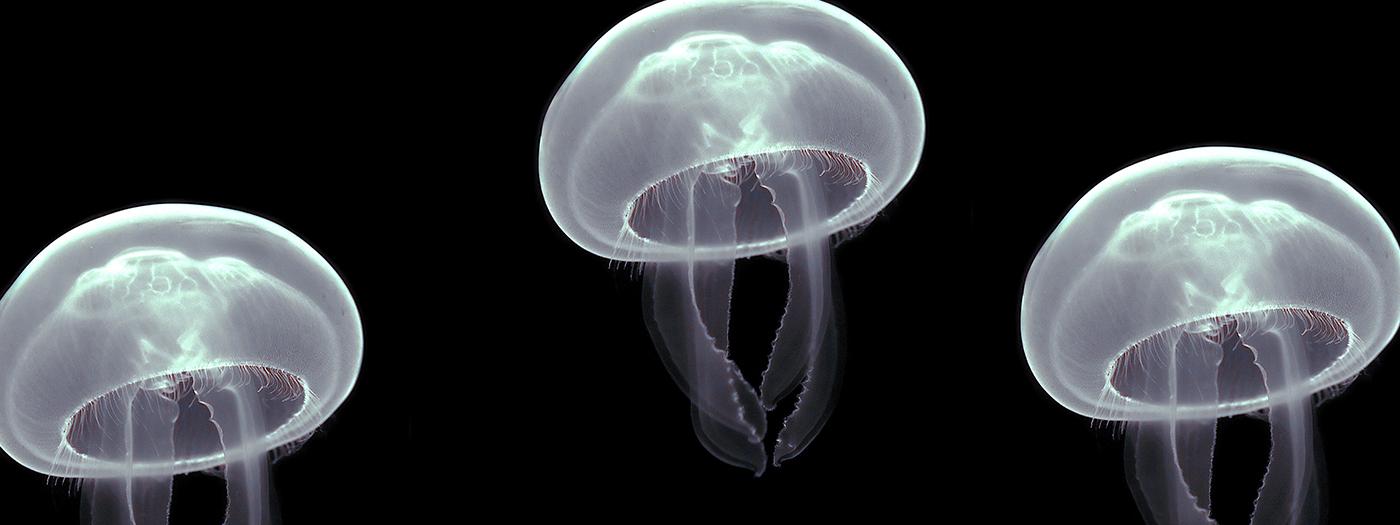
507,370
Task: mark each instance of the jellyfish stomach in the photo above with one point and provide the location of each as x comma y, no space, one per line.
1220,362
806,349
688,305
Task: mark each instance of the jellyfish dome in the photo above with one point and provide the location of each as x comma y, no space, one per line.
722,89
171,338
1206,283
1180,240
696,133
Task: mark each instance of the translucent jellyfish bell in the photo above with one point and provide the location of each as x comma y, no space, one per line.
697,133
1206,283
167,339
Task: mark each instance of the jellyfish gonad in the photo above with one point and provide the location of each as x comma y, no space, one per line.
1208,283
168,339
695,134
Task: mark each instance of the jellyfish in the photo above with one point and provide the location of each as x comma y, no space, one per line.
696,134
1207,283
167,339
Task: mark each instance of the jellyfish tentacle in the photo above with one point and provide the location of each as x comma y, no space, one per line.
1169,461
807,345
687,311
727,416
138,427
1160,486
153,418
814,402
1290,493
232,398
108,500
800,332
1197,363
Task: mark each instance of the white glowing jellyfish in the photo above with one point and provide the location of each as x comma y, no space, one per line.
697,133
1207,283
167,339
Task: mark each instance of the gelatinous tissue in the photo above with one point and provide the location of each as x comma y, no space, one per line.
1207,283
167,339
696,134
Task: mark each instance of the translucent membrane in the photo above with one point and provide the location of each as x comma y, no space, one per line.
696,133
683,84
168,339
1208,283
688,301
